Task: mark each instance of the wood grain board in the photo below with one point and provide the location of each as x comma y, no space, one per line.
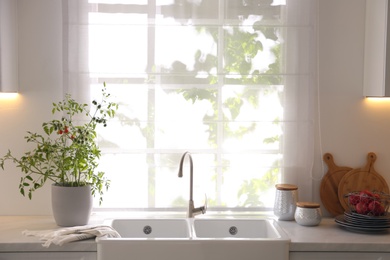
365,178
330,184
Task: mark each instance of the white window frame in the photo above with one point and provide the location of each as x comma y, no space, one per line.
297,169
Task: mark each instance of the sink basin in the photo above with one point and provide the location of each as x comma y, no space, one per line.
194,239
151,228
236,228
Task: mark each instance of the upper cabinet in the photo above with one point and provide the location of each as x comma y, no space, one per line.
8,46
377,49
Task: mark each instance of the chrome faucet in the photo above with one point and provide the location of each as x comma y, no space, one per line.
192,211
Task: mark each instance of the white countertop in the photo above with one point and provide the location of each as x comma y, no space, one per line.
12,239
328,236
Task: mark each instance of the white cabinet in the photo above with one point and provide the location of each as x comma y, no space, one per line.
377,49
49,256
338,256
8,46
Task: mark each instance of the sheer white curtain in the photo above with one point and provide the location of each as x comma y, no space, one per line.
248,78
75,49
301,110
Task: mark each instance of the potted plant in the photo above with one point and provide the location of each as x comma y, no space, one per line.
66,154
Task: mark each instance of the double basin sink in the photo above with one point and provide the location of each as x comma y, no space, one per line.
194,239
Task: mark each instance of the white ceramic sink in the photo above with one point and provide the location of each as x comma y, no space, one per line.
151,228
194,239
235,228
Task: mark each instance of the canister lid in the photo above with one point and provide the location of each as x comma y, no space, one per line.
310,205
286,187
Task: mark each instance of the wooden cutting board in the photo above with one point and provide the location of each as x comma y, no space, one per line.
330,184
365,178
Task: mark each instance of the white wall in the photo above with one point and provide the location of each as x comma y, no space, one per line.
40,83
350,125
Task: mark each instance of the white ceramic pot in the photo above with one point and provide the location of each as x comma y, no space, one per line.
308,214
285,201
71,206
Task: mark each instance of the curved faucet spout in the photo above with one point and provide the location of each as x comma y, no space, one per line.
191,171
192,211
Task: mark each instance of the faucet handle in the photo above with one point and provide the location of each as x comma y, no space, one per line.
196,211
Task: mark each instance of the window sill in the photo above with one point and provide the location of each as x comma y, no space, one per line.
123,213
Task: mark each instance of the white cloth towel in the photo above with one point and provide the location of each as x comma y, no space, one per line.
66,235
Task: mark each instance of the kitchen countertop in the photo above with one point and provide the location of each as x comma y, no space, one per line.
12,239
327,237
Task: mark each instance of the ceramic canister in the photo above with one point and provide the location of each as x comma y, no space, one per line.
285,201
308,214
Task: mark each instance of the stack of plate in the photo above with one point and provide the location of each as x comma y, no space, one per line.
363,223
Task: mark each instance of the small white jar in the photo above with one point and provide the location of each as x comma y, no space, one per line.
285,201
308,214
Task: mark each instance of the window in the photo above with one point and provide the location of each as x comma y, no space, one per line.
230,81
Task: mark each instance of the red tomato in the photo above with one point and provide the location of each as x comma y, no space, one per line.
354,199
376,208
374,205
367,192
362,208
366,196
